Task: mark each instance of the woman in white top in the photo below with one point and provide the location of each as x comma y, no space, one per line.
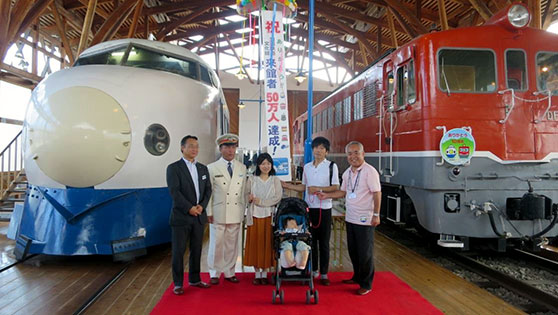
320,175
263,193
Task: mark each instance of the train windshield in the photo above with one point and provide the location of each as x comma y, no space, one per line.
143,58
463,70
547,72
108,57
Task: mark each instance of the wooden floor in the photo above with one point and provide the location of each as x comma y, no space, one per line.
6,247
60,287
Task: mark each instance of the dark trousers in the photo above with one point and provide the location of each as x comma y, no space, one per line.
360,243
182,235
321,233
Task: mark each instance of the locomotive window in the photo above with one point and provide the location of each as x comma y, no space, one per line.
338,115
347,110
324,119
319,122
144,58
462,70
358,105
547,72
205,75
516,70
110,57
406,93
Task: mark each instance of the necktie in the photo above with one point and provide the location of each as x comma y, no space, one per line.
229,168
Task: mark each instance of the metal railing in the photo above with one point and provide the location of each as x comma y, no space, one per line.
11,165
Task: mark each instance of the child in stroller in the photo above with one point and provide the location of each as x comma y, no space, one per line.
291,238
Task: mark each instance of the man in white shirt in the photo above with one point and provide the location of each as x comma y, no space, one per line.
320,175
225,210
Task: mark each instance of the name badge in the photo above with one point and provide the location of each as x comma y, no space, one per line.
352,196
219,176
204,177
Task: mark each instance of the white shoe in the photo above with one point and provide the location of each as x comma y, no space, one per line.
315,274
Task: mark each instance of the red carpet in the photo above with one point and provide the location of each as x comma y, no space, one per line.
389,296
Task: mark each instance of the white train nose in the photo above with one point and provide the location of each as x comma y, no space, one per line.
78,136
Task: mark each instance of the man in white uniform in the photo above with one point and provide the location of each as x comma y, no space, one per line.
225,210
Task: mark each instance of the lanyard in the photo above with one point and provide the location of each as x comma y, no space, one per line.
356,181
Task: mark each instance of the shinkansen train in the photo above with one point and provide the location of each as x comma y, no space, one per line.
462,126
97,140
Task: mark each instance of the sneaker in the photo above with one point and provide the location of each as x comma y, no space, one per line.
315,274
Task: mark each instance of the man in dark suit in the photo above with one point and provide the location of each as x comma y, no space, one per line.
190,188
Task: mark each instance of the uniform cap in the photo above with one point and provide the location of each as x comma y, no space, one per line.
227,138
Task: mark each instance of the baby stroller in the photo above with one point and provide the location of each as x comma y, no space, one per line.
297,209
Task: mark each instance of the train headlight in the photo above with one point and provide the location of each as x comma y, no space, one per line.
518,16
79,136
156,139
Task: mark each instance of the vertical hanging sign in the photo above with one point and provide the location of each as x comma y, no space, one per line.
275,92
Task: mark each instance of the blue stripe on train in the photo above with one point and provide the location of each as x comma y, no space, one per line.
84,221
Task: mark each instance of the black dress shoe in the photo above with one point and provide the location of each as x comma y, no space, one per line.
348,281
264,281
178,290
257,281
201,284
325,281
232,279
214,281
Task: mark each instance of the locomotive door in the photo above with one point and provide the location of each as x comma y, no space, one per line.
387,113
519,125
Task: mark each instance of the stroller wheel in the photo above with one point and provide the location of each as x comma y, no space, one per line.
274,297
282,296
316,297
308,296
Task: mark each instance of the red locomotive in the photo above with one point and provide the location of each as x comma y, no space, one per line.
497,83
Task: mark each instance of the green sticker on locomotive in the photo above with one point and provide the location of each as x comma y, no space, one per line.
457,146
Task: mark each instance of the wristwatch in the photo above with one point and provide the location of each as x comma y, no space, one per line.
376,214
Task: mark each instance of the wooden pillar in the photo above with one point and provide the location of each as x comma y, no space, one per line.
35,52
535,6
134,25
443,16
87,25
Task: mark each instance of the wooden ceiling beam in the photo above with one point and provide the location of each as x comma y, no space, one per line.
482,9
547,15
99,11
74,20
135,19
181,20
535,6
185,6
443,16
78,4
5,15
408,29
62,31
86,29
359,35
392,29
111,25
408,15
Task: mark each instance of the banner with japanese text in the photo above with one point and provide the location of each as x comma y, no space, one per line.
275,93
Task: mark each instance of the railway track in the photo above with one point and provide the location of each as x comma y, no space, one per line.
538,300
102,289
541,301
